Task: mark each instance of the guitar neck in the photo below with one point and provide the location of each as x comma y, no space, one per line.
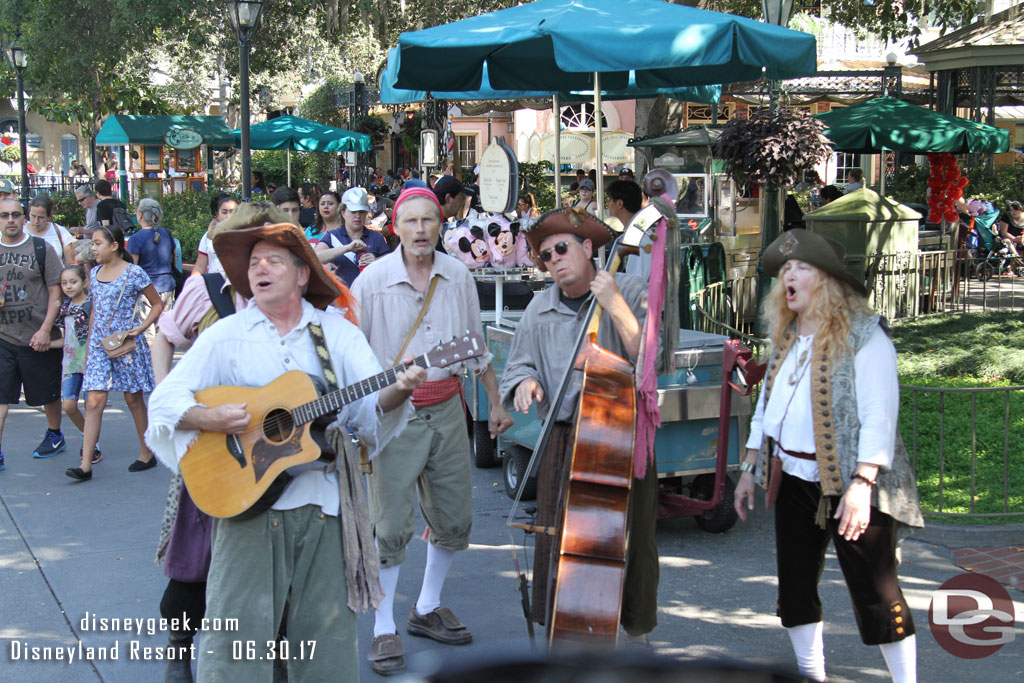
334,401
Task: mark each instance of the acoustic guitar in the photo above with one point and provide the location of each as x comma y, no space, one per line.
229,475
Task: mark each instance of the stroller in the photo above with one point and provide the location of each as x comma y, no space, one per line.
989,255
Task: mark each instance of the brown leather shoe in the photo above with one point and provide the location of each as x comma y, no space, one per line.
387,656
440,625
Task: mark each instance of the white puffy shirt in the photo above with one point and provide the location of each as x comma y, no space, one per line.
878,406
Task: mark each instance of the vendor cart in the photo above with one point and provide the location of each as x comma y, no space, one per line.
686,444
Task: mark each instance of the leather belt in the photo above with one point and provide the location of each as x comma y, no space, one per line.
795,454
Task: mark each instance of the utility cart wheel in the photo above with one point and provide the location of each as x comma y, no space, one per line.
722,517
516,460
484,447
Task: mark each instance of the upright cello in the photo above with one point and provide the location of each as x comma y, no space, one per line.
592,530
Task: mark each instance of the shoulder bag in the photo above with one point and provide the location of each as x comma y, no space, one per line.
119,343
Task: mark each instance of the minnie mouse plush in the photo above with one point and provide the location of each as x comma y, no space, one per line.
508,248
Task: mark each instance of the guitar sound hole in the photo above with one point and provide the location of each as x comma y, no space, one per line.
278,425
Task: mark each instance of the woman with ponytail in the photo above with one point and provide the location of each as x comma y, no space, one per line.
115,284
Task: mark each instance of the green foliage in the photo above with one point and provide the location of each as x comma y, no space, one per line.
273,164
376,127
772,147
10,153
409,132
321,106
534,178
968,350
997,185
187,215
67,210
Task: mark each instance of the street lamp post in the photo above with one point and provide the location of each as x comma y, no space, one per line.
777,12
16,57
244,15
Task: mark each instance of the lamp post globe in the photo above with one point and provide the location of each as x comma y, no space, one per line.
244,16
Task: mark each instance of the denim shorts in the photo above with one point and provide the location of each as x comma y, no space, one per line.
71,386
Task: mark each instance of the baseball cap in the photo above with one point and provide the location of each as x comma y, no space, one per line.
356,199
587,183
447,184
6,186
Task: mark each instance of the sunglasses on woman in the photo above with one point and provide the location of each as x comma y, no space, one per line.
561,248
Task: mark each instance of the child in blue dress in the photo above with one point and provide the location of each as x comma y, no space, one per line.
115,284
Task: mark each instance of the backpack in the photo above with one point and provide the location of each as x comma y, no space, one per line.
119,218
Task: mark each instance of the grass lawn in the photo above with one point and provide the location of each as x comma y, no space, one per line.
969,350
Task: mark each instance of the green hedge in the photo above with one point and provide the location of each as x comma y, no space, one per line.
998,185
187,215
67,210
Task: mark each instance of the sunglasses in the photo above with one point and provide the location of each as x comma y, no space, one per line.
561,248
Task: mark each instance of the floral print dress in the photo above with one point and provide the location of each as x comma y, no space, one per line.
133,371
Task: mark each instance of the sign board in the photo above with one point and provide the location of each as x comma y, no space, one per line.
183,138
428,147
575,148
350,158
578,148
499,177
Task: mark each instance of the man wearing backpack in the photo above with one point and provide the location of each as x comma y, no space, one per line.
29,302
107,204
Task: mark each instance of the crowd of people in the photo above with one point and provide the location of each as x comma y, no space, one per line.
313,280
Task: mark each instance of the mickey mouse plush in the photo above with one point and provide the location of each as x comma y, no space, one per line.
468,244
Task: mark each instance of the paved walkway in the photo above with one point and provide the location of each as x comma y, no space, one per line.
1004,564
74,553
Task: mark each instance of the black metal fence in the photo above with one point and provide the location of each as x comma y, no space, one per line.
38,182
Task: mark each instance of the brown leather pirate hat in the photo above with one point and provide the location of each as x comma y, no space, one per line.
810,247
234,247
571,221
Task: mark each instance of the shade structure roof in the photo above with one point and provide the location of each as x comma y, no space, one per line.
128,129
302,135
557,45
886,123
699,136
391,94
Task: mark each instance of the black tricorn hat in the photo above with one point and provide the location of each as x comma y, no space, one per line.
810,247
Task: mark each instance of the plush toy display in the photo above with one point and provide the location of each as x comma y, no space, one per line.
507,246
468,243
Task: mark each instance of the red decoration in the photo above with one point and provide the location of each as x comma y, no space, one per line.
945,186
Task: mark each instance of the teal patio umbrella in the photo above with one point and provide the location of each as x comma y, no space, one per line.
294,133
560,44
597,46
889,124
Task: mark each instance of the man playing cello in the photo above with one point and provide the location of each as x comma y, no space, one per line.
564,242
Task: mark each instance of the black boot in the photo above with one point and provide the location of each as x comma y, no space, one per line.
179,657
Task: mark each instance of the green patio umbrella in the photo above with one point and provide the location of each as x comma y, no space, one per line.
294,133
888,124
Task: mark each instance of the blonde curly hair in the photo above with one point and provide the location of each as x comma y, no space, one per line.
833,303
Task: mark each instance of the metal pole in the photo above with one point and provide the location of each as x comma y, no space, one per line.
556,117
122,174
22,141
243,62
771,204
289,167
598,144
359,172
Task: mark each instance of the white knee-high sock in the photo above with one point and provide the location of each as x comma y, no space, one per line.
384,615
809,646
901,658
439,561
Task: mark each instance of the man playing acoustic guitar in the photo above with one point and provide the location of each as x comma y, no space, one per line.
292,553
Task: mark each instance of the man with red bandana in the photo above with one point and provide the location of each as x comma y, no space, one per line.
431,457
